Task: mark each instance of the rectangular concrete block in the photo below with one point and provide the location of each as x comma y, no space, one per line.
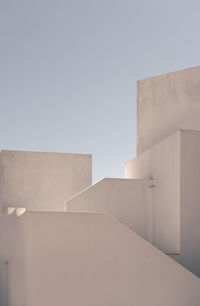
190,201
42,181
166,104
174,164
162,163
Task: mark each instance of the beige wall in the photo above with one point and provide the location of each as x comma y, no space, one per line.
162,163
12,250
174,164
190,201
167,103
42,181
87,259
3,255
127,200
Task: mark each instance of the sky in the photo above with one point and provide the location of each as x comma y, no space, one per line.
68,71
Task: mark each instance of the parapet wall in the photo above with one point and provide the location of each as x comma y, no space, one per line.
90,259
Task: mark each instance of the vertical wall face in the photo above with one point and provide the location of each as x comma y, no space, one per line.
12,262
162,163
190,201
42,181
167,103
4,283
92,260
129,201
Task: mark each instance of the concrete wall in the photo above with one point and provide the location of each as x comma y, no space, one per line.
167,103
162,163
91,260
190,201
12,251
42,181
3,256
129,201
16,246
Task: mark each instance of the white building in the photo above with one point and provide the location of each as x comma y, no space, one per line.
121,242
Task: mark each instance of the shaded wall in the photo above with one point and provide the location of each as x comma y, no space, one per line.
129,201
162,163
190,201
91,259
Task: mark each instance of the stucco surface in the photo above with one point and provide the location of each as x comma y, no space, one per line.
162,163
42,181
87,259
190,201
70,243
167,103
127,200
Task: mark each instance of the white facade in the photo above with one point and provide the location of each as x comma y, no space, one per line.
65,242
42,181
165,104
162,162
129,201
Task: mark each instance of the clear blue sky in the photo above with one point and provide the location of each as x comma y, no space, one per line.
68,71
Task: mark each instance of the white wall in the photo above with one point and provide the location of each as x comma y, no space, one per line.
3,254
42,181
127,200
87,259
162,163
167,103
190,201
